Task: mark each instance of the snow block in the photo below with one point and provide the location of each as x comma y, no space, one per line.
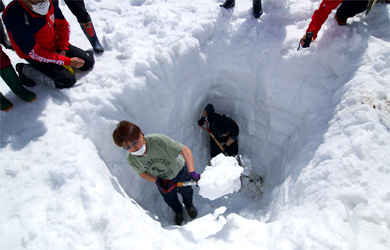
221,178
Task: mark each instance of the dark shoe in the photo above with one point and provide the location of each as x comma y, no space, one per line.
33,75
340,21
23,78
257,9
257,14
179,219
192,211
5,104
228,4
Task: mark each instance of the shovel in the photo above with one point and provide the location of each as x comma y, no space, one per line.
173,185
238,157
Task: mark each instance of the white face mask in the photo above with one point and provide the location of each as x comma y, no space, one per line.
41,8
140,151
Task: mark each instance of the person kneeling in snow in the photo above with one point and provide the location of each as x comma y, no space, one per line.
40,34
158,158
224,129
348,8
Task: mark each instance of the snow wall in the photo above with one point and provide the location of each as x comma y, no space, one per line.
261,82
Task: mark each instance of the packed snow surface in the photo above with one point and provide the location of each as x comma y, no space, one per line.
314,124
221,178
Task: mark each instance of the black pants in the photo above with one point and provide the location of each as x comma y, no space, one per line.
350,8
232,150
172,199
61,76
77,7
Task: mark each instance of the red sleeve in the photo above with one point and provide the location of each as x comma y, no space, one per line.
42,55
63,30
321,14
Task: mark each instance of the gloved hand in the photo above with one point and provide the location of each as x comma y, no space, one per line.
164,185
201,121
225,147
195,176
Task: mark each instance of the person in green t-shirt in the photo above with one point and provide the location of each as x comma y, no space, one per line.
157,158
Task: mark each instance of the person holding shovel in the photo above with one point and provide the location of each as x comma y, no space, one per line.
161,160
223,132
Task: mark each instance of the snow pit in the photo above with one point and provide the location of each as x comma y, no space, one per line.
313,123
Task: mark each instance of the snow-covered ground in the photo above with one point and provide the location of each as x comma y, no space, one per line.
314,124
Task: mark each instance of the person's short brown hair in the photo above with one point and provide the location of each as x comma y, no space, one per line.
125,131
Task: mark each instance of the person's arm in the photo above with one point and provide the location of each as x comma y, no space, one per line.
229,141
186,152
148,177
320,16
62,27
234,131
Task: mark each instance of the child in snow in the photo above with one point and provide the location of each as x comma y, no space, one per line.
224,129
156,158
39,33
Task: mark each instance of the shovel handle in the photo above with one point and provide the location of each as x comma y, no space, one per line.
212,136
178,184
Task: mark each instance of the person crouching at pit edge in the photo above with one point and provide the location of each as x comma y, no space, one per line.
156,158
40,34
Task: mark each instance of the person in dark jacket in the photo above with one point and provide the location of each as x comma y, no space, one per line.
257,9
39,33
224,129
77,7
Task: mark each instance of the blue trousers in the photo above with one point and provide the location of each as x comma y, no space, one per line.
172,199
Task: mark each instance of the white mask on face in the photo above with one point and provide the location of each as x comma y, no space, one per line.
140,151
41,8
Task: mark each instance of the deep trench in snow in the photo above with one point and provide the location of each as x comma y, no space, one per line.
272,97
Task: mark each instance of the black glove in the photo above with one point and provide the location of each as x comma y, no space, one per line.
225,147
201,121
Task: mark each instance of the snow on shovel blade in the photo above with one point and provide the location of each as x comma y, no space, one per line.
221,178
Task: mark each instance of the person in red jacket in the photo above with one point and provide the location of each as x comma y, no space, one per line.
348,8
39,33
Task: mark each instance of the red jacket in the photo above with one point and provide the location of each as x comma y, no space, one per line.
321,14
37,37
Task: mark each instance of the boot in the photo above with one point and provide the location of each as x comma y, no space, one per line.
4,39
23,78
340,21
5,105
90,33
257,9
192,211
179,219
12,80
34,75
228,4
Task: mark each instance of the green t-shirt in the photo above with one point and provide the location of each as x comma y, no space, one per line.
162,158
